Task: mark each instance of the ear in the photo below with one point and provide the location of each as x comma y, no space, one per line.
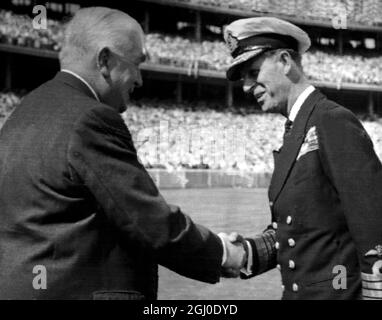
286,60
104,61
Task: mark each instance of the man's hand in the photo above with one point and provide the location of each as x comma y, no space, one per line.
236,254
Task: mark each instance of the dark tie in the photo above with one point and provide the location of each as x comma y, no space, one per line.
288,127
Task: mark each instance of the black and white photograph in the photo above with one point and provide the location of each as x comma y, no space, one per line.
191,150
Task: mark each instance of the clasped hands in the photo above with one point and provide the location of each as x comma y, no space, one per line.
236,254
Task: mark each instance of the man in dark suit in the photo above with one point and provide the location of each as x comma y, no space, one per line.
80,218
326,190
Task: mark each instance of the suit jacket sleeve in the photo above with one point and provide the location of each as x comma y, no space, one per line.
264,253
356,173
101,155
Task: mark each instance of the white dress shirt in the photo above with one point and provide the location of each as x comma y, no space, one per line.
299,102
83,80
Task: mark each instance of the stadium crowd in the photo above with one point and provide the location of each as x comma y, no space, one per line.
210,55
173,136
197,136
367,12
17,29
214,55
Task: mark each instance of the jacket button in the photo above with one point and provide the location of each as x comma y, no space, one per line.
277,246
291,243
292,264
271,204
279,267
282,287
295,287
289,220
274,225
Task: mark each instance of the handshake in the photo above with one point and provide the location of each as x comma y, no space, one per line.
236,250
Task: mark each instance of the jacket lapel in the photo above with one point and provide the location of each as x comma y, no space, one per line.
292,145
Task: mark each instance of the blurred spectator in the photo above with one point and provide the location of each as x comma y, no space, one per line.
8,101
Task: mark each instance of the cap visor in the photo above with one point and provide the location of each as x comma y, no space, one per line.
233,71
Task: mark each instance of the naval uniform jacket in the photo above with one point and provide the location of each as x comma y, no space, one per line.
326,204
76,203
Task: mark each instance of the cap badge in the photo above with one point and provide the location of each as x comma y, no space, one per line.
232,42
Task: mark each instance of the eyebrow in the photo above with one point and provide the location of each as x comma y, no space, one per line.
244,72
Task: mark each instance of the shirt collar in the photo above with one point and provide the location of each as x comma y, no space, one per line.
84,81
299,102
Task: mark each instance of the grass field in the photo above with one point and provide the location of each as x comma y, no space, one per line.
243,210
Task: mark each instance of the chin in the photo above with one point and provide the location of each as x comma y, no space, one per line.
122,105
269,108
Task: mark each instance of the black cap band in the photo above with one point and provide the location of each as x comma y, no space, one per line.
271,40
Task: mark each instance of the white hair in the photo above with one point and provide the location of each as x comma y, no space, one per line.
93,28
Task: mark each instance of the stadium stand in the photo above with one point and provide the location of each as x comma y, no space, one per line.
186,136
196,136
368,12
17,30
214,55
210,55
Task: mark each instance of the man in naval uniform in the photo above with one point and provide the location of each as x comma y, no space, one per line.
326,190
